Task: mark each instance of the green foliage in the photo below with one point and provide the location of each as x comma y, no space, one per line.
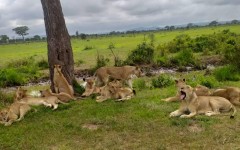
163,80
143,54
232,52
22,30
87,47
227,73
209,82
79,62
139,84
19,72
5,98
184,57
179,43
43,64
78,88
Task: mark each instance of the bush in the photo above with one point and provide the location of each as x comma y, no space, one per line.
5,98
43,64
139,84
227,73
208,82
143,54
88,47
79,62
162,81
19,72
184,57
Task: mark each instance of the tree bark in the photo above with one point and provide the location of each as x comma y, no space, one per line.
58,39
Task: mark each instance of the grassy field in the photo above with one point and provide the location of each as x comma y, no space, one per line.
123,45
140,123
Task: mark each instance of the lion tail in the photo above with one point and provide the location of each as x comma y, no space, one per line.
234,111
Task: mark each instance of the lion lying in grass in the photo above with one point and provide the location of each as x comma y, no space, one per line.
64,97
199,90
22,97
230,93
208,105
114,90
15,112
90,87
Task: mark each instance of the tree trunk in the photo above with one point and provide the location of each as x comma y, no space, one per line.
58,39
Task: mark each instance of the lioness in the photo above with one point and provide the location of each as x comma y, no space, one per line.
15,112
51,101
200,90
114,90
64,97
125,73
208,105
90,87
230,93
60,82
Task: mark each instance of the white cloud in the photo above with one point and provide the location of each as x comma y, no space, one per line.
99,16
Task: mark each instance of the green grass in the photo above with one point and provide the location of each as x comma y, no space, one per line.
123,45
140,123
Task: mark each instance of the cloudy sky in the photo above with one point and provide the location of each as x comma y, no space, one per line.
100,16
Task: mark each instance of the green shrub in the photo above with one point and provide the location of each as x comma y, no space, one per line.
43,64
209,82
19,72
88,47
139,84
5,98
163,80
184,57
79,62
227,73
143,54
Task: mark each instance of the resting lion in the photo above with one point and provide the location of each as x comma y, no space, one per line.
60,82
51,101
15,112
230,93
114,90
208,105
200,90
90,87
64,97
125,73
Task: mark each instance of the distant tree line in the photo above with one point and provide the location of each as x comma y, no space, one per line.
23,31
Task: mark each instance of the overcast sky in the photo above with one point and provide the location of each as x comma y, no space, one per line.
100,16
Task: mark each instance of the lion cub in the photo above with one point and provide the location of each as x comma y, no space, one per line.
15,112
90,87
208,105
114,90
60,82
64,97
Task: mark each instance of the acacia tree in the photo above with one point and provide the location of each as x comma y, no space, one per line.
58,39
22,31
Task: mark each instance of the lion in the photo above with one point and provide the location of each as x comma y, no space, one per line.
125,74
15,112
207,105
90,87
64,97
230,93
114,90
50,101
199,89
60,82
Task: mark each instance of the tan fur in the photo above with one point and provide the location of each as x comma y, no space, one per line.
19,94
230,93
199,89
125,73
208,105
64,97
90,87
60,82
51,101
114,90
15,112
